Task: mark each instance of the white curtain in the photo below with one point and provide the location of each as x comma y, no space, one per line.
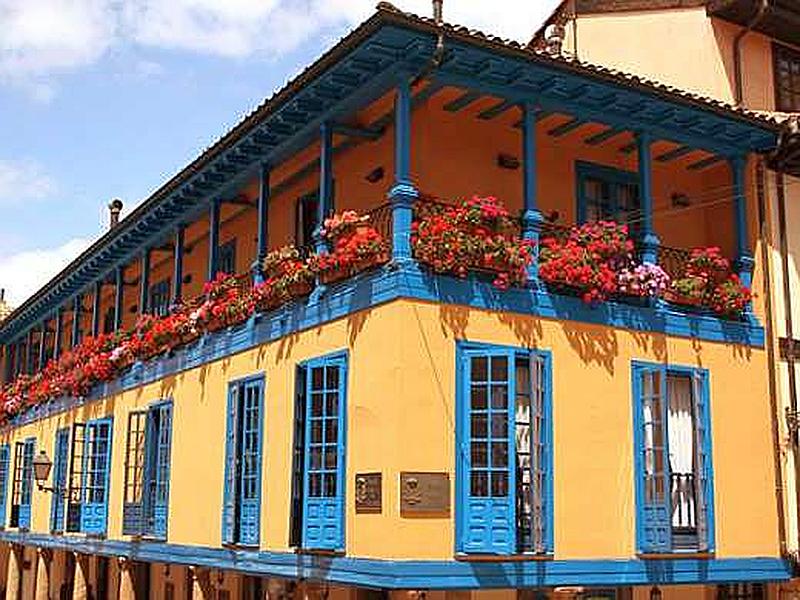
681,447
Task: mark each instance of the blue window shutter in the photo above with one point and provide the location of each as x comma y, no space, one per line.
654,525
231,446
325,454
161,447
27,484
251,401
703,470
60,462
94,508
5,453
133,500
486,393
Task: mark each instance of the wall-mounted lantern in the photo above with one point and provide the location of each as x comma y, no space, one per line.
41,471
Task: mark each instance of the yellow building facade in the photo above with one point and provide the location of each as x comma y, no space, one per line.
403,431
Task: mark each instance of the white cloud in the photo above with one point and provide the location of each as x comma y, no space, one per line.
22,180
24,273
39,37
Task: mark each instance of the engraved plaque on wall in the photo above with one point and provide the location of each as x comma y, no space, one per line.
368,493
424,494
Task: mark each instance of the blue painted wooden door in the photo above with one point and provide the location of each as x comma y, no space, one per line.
157,468
249,510
95,476
652,460
324,454
26,487
487,506
241,513
60,465
5,455
230,493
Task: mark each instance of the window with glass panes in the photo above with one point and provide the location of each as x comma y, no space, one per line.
787,78
319,457
504,464
608,194
674,483
22,485
159,298
147,465
227,257
242,493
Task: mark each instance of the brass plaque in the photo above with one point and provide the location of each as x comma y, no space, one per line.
368,493
424,493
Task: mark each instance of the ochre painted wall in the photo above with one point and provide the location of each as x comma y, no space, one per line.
683,48
400,415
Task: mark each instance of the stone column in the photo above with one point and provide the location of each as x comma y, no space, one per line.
201,584
44,558
80,586
14,573
127,587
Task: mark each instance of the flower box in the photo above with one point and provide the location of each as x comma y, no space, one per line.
342,272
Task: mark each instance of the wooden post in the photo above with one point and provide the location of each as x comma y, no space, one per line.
213,240
58,333
531,216
744,258
119,295
80,586
144,283
43,560
177,275
263,222
14,579
127,587
403,193
98,295
650,241
76,320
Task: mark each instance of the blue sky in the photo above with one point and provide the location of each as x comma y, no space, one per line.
109,98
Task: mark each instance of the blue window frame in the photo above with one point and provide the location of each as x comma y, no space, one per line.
674,475
318,489
5,459
504,441
243,451
60,466
97,459
159,298
22,488
607,194
227,257
147,467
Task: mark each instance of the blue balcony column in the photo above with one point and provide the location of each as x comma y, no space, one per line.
263,223
119,295
8,363
29,352
532,219
18,358
77,308
403,193
144,283
325,204
98,291
213,239
59,328
42,346
177,272
649,240
744,257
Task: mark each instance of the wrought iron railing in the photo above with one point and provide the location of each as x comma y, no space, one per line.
683,494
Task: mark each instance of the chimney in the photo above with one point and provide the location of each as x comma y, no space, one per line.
437,11
114,209
554,38
2,295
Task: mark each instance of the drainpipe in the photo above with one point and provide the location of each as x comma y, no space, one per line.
763,228
438,53
789,325
763,5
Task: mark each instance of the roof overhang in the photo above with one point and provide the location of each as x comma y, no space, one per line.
781,18
363,67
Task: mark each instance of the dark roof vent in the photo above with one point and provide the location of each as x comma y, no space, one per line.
114,210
